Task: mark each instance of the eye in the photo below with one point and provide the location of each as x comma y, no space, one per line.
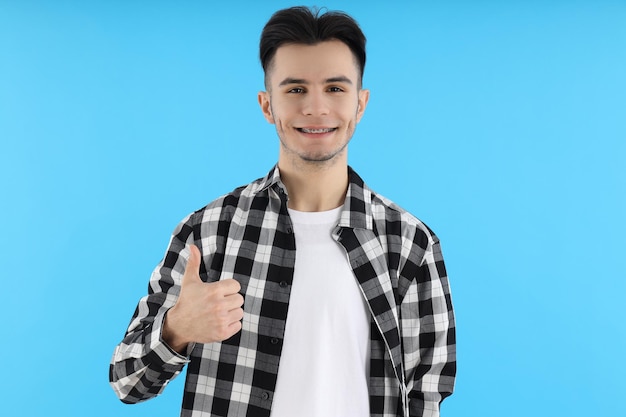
297,90
335,89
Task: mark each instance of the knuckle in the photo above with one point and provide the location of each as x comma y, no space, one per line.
224,333
231,285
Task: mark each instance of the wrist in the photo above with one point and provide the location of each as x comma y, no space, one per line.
170,336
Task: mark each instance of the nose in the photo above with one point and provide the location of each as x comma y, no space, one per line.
315,104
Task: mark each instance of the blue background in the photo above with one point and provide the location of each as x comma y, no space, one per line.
501,124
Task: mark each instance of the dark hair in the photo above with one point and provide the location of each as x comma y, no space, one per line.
309,26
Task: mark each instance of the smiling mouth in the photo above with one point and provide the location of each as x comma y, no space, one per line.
316,131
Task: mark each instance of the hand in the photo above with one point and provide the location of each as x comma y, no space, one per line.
204,312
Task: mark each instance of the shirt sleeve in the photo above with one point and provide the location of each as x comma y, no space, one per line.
428,334
143,364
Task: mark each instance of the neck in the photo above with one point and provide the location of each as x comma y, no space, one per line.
315,187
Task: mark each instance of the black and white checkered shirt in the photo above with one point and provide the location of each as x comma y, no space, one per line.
247,235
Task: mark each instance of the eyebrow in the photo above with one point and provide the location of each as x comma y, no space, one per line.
339,79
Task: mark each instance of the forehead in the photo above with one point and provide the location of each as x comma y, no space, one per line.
311,62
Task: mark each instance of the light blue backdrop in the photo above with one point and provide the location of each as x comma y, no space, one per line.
501,124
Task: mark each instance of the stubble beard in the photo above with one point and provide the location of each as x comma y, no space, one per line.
312,159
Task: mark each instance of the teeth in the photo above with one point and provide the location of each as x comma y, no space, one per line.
305,130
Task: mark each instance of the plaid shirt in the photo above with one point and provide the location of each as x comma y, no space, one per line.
247,235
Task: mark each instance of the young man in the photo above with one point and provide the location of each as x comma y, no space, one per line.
303,293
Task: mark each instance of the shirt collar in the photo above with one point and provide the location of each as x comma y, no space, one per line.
272,179
356,211
357,208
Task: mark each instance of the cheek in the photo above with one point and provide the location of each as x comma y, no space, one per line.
280,126
351,110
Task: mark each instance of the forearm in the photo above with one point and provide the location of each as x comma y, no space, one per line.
427,393
429,337
143,364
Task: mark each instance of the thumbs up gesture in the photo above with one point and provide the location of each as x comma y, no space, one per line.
204,312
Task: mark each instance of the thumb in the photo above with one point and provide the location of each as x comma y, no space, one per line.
192,271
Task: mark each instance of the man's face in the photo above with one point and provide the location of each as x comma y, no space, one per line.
315,101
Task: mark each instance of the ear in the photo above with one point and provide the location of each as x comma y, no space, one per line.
266,106
364,97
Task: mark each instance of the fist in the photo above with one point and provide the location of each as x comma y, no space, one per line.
204,312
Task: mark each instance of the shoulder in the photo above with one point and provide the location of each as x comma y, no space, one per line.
225,208
392,220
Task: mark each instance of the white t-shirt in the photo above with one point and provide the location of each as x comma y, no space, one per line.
324,364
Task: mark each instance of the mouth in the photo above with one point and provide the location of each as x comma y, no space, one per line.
316,131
